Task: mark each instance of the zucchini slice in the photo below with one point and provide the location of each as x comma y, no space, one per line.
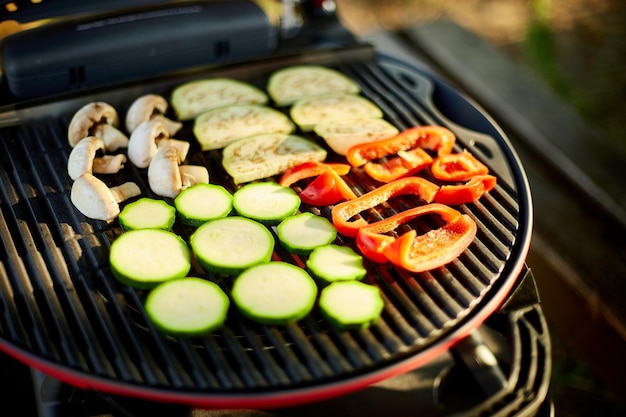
147,257
351,304
219,127
332,263
194,97
266,202
187,307
341,135
203,202
303,232
308,112
262,156
274,293
230,245
290,84
147,213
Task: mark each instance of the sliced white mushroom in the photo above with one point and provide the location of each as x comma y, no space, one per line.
167,178
94,199
146,139
193,174
98,119
150,107
85,158
112,137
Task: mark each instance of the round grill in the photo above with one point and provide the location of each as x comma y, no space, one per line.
63,312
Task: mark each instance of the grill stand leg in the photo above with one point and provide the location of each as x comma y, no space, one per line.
474,353
55,398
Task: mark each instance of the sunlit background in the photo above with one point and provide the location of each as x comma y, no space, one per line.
577,46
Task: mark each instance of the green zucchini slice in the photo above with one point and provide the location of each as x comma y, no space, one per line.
274,293
147,213
332,263
267,202
351,304
187,307
203,202
303,232
230,245
145,258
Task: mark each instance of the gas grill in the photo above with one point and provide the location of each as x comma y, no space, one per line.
474,327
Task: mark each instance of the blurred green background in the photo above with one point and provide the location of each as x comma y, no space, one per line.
578,47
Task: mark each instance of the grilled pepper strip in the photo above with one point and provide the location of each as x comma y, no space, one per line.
405,164
466,193
460,166
420,253
435,138
328,188
343,212
310,169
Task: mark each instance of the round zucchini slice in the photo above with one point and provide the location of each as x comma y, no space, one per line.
145,258
187,307
332,263
266,202
274,293
203,202
351,304
147,213
303,232
230,245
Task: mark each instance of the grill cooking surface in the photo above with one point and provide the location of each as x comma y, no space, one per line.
61,308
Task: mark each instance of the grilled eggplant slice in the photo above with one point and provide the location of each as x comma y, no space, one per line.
291,84
266,155
219,127
341,135
309,112
195,97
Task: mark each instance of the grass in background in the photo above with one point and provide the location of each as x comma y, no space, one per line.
585,65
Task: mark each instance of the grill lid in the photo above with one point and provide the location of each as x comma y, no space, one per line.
65,314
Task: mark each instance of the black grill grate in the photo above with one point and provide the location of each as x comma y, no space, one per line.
60,303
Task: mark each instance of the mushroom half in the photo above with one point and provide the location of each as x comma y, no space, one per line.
98,119
167,178
94,199
146,140
88,157
150,107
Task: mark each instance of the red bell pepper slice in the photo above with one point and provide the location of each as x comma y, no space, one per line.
420,253
461,166
328,188
343,212
310,169
322,191
466,193
405,164
435,138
